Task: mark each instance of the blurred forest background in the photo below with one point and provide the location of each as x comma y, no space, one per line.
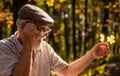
79,24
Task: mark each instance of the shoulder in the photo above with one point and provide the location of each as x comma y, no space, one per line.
45,44
8,44
47,48
3,43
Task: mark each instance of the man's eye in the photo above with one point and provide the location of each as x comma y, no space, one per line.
40,29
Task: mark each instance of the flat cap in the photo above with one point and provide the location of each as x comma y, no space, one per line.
32,12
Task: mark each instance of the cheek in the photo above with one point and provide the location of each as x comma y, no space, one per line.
38,35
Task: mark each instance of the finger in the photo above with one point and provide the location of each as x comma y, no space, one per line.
36,35
27,25
31,27
101,44
107,52
105,45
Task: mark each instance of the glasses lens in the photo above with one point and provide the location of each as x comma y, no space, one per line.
49,30
46,32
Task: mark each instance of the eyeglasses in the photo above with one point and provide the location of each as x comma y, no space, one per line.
46,32
43,30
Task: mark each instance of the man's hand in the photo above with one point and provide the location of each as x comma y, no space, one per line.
29,31
100,49
31,35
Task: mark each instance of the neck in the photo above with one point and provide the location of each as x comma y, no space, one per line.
19,38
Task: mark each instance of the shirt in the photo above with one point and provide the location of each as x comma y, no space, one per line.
46,59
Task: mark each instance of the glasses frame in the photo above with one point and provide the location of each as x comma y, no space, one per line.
43,32
46,32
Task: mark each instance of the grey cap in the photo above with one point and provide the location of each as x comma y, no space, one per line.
32,12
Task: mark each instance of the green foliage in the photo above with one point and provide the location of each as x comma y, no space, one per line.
6,31
98,71
6,21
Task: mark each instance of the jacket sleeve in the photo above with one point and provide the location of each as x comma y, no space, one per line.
7,61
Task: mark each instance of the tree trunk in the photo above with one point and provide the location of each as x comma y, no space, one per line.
86,24
67,35
17,4
74,28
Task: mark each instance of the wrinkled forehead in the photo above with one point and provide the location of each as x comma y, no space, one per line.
38,23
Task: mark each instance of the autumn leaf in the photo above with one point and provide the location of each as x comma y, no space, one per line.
61,1
50,2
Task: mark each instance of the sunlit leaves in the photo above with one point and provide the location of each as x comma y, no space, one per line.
107,6
50,2
101,69
9,19
6,21
97,71
112,5
2,16
61,1
58,6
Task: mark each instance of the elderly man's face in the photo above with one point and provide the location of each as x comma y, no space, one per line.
42,30
41,27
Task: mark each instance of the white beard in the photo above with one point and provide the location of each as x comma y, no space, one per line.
37,43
